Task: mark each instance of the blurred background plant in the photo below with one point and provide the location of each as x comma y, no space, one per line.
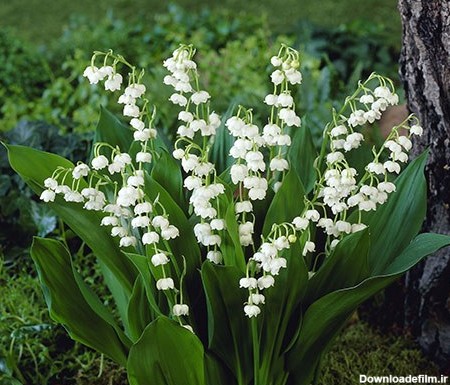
45,103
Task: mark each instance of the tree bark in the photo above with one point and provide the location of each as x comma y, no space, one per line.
425,72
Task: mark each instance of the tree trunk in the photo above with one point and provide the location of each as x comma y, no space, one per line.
425,72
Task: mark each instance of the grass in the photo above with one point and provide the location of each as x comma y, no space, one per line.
40,21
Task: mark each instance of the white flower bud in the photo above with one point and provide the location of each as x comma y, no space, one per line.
127,241
392,166
243,207
200,97
300,223
277,77
51,183
386,187
131,110
214,256
248,283
137,124
143,208
118,231
338,130
256,299
171,232
143,157
344,227
217,224
80,170
275,61
180,309
405,142
165,284
178,153
160,222
150,238
140,221
109,221
309,248
99,162
416,130
159,259
251,310
185,116
178,99
48,196
238,173
265,282
312,215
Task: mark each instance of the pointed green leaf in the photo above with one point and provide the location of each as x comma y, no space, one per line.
186,245
139,311
219,153
394,224
325,317
280,319
166,354
287,202
231,247
345,267
86,224
112,131
142,264
216,373
228,328
166,171
73,304
301,155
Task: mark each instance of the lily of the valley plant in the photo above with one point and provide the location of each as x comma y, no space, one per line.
228,275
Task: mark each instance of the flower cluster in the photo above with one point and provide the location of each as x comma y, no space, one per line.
115,182
338,190
133,217
197,122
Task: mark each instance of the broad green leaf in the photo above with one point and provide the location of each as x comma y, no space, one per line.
139,312
231,248
86,224
345,267
142,264
73,304
166,171
229,333
301,155
219,153
394,224
325,317
186,245
216,373
112,131
166,354
287,202
281,316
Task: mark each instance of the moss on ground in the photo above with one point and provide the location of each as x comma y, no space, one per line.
362,350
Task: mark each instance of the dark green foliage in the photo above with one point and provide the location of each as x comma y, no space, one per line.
23,72
21,215
355,49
